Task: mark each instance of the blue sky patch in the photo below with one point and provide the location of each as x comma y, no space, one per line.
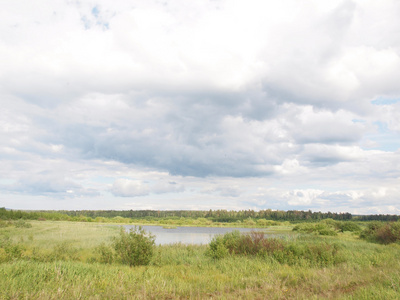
385,101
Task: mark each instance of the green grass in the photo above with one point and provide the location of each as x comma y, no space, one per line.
49,233
368,271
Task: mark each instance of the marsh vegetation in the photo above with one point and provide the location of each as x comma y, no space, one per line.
82,260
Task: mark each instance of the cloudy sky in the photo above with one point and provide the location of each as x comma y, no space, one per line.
201,104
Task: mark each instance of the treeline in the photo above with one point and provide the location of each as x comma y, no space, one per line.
225,216
385,218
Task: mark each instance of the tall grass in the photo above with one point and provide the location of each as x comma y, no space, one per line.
368,271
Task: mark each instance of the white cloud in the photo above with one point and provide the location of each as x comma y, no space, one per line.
200,101
129,188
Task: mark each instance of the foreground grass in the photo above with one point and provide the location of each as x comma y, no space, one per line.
368,271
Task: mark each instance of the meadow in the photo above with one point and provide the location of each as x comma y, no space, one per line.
64,260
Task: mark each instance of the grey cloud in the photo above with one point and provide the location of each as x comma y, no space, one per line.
134,188
49,184
325,154
337,198
328,131
338,22
196,138
184,89
167,187
229,191
183,138
223,190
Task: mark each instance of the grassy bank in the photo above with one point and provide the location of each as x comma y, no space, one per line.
54,260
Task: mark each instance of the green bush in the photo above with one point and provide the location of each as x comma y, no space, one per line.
22,224
63,251
254,243
5,240
321,228
388,233
4,223
259,244
135,247
106,254
9,250
348,226
217,248
384,233
266,223
369,232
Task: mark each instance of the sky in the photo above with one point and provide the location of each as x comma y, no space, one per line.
198,105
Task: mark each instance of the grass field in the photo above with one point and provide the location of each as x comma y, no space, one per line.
59,260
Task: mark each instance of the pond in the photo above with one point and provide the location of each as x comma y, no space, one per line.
187,235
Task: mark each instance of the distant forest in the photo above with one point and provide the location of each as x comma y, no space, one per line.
227,216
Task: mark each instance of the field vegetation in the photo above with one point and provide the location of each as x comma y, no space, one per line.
87,260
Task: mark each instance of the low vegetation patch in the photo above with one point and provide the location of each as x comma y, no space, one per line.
259,244
85,260
22,224
317,228
328,227
380,232
18,224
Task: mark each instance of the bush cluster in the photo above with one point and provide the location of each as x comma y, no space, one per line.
22,224
258,244
18,224
133,248
348,226
327,227
384,233
9,250
318,228
4,223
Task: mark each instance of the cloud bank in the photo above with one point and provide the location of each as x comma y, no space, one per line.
207,104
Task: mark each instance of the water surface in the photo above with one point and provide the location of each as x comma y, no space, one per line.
187,235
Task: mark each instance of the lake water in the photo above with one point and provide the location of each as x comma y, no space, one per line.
188,235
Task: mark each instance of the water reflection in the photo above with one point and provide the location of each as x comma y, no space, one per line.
187,235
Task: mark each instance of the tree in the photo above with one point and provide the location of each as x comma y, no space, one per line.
135,247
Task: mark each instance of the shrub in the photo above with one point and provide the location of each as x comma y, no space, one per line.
64,251
14,251
106,254
5,240
369,232
266,223
231,240
389,233
22,224
258,244
217,248
135,247
4,223
348,226
119,219
255,243
9,250
249,222
384,233
319,228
